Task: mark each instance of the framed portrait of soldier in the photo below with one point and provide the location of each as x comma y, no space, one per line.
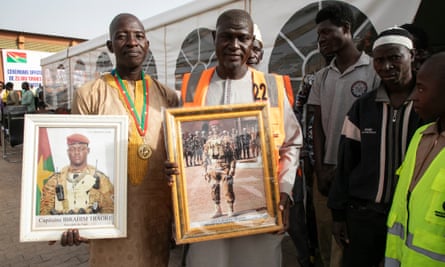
228,185
74,176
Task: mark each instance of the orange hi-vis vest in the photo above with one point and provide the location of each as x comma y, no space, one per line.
289,91
265,87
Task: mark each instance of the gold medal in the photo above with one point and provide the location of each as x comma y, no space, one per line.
144,151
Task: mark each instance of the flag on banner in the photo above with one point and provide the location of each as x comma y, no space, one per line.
16,57
45,166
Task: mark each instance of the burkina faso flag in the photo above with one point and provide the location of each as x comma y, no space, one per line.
16,57
45,166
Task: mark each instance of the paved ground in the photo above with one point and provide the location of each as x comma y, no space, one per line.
40,254
248,189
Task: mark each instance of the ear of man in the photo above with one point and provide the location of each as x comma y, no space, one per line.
110,46
347,28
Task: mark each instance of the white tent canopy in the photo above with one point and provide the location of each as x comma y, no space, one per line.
180,41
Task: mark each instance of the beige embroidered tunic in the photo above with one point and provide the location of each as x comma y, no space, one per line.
149,197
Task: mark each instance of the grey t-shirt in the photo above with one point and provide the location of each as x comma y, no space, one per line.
335,93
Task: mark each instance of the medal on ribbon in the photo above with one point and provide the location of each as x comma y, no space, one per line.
144,151
140,120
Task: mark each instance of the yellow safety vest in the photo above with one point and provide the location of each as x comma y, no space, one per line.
5,96
266,87
416,227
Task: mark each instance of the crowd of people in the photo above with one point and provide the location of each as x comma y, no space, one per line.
363,114
378,189
28,96
245,145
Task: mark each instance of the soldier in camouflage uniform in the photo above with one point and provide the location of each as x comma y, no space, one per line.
220,168
189,150
79,188
198,144
237,143
245,141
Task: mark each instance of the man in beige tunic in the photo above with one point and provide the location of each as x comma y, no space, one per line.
127,90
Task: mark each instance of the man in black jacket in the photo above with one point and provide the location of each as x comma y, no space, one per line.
375,135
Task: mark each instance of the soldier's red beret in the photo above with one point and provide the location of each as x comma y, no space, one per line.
77,139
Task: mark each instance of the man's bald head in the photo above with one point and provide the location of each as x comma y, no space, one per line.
129,44
434,69
239,16
435,66
117,19
429,96
233,43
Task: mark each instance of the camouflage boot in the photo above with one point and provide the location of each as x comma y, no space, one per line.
230,209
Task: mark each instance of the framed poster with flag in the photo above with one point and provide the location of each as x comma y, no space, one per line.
74,176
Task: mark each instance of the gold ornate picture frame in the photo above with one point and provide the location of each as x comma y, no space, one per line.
52,190
224,188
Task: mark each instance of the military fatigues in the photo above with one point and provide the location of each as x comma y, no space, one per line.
88,191
245,140
198,144
189,151
220,168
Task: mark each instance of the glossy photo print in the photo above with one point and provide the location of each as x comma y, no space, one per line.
74,176
227,184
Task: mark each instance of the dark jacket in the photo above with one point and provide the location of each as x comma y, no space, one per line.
374,139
